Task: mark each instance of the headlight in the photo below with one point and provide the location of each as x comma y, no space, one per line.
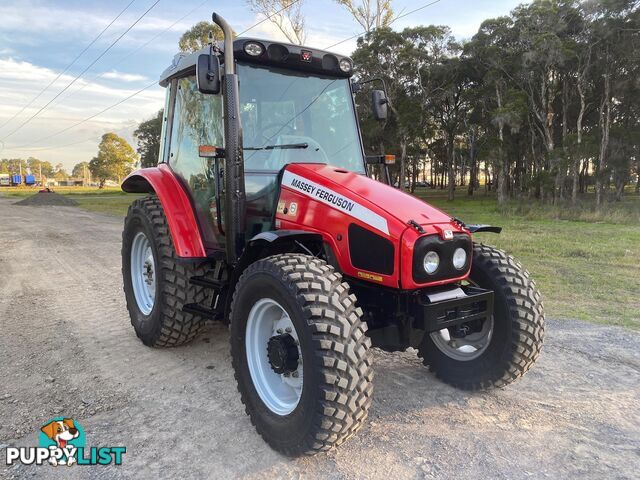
431,262
252,48
459,258
345,65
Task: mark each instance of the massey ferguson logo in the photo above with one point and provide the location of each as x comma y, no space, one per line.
306,56
334,199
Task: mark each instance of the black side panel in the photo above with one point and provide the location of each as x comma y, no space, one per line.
370,251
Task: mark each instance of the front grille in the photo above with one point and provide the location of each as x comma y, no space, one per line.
444,249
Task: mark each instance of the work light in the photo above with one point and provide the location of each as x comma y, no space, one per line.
253,48
345,65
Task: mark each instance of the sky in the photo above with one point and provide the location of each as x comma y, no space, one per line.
40,38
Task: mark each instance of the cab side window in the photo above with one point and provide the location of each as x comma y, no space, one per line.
197,120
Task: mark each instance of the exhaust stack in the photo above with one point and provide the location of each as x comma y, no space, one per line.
234,199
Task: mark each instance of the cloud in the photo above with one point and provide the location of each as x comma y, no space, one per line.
75,22
316,38
267,30
20,81
124,77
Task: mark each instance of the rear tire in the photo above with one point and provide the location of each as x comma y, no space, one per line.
160,322
518,327
334,353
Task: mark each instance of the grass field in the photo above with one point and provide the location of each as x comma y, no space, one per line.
109,200
585,262
587,268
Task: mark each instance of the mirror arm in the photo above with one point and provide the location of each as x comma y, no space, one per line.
357,86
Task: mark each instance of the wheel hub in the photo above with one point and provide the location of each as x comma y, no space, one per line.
274,357
282,351
148,271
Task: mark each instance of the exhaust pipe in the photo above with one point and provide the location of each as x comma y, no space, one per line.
235,197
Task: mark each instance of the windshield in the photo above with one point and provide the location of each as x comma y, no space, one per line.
292,117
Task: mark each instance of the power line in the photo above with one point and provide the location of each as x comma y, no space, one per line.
83,72
397,18
70,65
143,89
122,59
44,149
88,118
268,17
117,103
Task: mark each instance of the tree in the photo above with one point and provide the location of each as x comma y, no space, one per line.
60,173
40,167
80,170
284,14
370,14
197,37
115,159
148,137
384,53
12,165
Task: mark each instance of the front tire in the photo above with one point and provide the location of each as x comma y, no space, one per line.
304,296
156,285
513,335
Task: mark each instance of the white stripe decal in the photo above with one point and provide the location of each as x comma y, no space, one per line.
335,200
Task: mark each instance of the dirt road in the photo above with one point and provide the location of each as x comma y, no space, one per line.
66,348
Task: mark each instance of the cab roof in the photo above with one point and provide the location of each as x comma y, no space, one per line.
277,54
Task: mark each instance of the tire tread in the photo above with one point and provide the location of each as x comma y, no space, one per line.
527,319
341,349
178,327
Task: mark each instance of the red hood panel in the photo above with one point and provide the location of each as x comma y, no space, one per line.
396,203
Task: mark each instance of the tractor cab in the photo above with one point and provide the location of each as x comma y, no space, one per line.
296,106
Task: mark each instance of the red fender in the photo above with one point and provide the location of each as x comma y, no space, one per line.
175,203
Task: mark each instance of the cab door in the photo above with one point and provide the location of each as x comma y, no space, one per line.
197,120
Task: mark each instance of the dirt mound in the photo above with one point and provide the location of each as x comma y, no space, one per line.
47,198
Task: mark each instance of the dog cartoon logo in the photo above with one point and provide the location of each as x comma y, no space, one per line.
63,442
61,432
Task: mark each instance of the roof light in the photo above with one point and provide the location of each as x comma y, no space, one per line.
253,48
345,65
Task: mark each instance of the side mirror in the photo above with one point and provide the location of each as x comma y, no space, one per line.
208,73
379,104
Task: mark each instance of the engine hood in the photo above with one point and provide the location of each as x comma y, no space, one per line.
400,205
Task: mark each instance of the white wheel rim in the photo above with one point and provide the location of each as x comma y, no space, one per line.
466,348
470,346
143,273
279,392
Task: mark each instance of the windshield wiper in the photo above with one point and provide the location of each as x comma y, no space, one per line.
281,146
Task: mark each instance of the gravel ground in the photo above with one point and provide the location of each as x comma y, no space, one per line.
42,199
67,349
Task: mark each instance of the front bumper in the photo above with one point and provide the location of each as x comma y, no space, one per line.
434,310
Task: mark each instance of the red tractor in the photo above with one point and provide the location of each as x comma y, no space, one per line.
260,214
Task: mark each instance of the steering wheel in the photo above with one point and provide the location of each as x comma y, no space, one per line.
283,128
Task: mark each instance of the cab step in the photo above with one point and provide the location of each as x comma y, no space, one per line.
206,282
201,311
